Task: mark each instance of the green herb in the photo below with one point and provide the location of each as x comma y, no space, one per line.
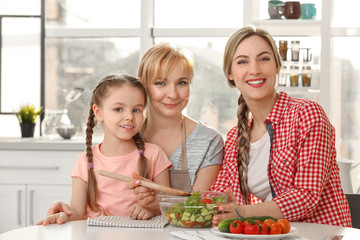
28,114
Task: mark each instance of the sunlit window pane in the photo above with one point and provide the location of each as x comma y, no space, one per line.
346,13
199,13
20,7
93,13
20,63
212,100
346,96
80,63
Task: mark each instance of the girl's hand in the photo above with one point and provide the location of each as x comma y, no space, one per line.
229,209
58,218
138,212
57,207
144,195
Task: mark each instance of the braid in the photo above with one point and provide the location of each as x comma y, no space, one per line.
143,165
92,184
243,143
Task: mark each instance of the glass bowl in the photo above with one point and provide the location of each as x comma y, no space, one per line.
195,211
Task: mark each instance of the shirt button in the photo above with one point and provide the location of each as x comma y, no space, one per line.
284,161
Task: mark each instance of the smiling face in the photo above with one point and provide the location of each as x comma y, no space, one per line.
254,69
121,112
170,95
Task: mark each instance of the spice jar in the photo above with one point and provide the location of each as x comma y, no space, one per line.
306,76
282,76
294,76
295,50
283,47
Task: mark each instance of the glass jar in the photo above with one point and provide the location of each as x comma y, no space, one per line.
50,121
306,76
54,119
283,76
283,47
295,50
294,76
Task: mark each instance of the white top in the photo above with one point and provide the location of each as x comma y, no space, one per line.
258,181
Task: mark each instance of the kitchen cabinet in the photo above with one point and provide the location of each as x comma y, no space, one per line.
32,176
24,205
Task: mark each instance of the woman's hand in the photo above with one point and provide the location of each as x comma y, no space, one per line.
58,218
229,209
138,212
144,195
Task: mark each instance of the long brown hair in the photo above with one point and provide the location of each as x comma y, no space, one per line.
100,92
243,139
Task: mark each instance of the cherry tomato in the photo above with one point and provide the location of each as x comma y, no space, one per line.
275,229
269,222
207,200
236,226
264,229
188,223
251,229
285,225
258,221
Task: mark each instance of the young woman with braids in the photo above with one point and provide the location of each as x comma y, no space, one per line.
280,159
117,103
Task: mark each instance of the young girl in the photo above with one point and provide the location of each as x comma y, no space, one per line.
118,103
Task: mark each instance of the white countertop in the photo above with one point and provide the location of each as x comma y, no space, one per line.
78,230
43,143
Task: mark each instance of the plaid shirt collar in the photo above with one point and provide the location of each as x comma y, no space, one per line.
279,108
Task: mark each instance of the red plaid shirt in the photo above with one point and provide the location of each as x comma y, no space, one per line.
302,168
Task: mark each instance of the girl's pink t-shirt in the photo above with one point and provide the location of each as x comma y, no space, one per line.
113,195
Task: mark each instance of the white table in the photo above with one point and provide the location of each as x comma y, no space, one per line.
78,230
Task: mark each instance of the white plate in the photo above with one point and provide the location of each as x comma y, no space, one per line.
293,232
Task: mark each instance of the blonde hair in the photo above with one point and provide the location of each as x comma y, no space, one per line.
161,59
100,92
243,139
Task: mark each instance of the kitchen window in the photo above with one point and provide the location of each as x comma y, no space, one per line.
86,39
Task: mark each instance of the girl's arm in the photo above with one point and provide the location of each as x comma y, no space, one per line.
78,202
205,177
77,206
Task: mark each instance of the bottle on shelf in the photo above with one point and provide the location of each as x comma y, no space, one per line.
295,50
294,76
282,76
306,76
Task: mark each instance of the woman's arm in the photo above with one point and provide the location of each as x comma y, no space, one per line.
205,177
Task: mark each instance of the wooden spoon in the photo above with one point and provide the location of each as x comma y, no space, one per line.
151,185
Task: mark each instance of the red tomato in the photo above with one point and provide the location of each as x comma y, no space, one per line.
236,226
188,223
275,229
207,200
269,222
285,225
264,229
251,229
201,223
